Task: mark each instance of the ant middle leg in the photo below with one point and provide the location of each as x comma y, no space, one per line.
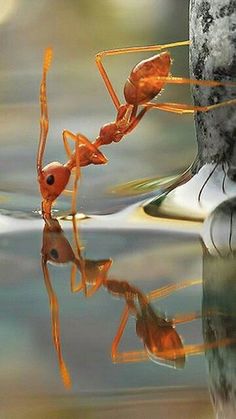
182,108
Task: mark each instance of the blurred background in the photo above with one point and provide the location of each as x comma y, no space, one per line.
77,97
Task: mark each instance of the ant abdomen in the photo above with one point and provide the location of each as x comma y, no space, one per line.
138,89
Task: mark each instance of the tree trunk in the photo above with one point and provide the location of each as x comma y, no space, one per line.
213,57
213,173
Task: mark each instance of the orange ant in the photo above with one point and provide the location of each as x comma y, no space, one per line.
54,177
144,83
162,343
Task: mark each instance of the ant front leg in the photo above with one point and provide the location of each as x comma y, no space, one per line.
44,120
104,75
54,177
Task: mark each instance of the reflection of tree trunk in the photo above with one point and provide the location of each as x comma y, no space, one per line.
213,56
219,297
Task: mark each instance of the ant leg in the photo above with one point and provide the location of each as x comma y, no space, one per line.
83,285
78,138
183,80
76,179
99,57
73,163
130,356
73,286
134,122
44,121
181,108
169,289
185,318
54,307
69,135
67,192
197,349
79,258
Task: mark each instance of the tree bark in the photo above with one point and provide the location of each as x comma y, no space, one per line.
212,176
213,57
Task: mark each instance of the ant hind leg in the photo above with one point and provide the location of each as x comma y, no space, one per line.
99,57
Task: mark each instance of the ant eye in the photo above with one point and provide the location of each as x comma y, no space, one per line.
54,254
50,180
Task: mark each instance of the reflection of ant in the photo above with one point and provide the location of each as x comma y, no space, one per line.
161,341
144,83
57,250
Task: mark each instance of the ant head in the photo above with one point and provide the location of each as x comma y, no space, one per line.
56,248
52,180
